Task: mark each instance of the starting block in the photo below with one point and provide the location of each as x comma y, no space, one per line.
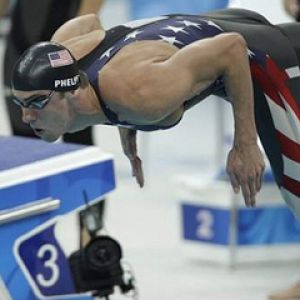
42,189
217,227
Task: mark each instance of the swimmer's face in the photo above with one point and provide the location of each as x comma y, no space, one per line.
47,112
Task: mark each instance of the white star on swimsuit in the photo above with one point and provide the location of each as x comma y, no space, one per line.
132,35
189,23
170,39
175,29
213,24
250,53
107,53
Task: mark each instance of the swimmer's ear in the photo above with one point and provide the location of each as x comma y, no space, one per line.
75,92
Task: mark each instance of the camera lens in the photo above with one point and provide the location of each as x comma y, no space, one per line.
102,253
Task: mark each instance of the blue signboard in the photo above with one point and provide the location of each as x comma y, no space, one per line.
257,226
44,263
206,224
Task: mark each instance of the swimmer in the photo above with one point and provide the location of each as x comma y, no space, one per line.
146,74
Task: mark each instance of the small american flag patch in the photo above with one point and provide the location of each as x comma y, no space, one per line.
60,58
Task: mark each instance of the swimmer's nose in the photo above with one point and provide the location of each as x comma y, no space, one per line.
28,115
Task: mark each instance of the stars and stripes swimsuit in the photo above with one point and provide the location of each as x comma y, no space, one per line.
274,53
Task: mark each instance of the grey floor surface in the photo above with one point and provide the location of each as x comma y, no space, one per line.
148,225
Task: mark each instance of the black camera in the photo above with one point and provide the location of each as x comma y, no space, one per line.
97,268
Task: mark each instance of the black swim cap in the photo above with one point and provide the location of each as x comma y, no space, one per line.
46,66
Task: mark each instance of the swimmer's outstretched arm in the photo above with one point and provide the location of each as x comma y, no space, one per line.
245,165
77,27
128,141
292,7
78,33
152,80
90,6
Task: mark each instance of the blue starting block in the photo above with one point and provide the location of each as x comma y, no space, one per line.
42,188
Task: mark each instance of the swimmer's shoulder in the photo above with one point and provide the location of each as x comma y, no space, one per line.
80,35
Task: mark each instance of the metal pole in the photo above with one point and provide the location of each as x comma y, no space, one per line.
28,210
233,231
220,134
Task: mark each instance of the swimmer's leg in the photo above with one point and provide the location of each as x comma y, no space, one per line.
277,112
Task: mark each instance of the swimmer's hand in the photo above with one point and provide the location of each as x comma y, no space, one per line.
137,170
128,140
245,167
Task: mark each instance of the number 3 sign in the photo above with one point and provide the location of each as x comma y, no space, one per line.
44,263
